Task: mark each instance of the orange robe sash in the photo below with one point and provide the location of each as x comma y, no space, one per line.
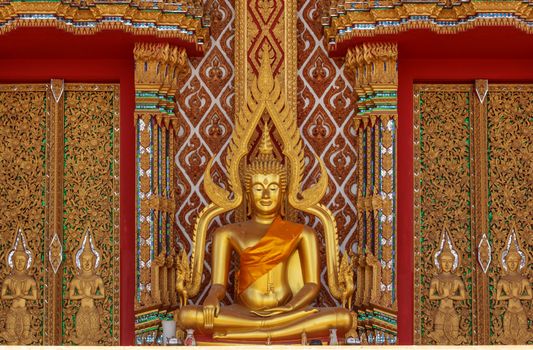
274,247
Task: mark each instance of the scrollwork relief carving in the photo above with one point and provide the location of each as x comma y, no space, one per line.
446,288
23,159
88,288
442,115
19,288
509,110
513,288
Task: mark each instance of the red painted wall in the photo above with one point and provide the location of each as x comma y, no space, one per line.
36,56
502,55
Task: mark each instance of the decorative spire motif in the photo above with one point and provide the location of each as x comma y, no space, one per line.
513,248
87,246
20,245
446,247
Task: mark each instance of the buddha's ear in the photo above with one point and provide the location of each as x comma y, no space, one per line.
282,210
248,204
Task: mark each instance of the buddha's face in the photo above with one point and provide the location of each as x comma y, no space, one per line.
513,261
446,262
87,261
266,193
19,261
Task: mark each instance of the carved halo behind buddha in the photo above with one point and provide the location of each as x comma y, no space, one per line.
271,302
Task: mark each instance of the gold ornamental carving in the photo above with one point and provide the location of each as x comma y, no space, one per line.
179,20
269,305
91,198
372,67
61,168
87,287
512,288
19,288
159,69
344,22
472,159
55,253
509,109
446,288
23,132
484,253
441,121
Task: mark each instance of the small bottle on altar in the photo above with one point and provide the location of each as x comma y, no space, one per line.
189,339
304,338
333,337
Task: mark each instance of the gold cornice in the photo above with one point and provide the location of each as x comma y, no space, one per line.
126,17
342,27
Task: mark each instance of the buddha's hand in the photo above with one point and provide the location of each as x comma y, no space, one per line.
279,310
211,309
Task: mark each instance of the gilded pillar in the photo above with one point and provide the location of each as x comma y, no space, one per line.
158,69
376,85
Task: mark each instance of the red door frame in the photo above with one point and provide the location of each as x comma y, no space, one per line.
34,55
501,55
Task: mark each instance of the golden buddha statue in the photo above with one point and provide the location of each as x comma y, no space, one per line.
278,277
19,287
87,287
446,287
514,287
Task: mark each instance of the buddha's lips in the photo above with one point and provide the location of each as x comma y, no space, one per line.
265,203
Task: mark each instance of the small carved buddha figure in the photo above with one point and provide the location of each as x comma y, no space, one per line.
447,287
514,287
19,287
265,306
87,287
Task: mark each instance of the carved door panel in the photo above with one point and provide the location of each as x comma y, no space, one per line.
509,118
59,186
472,156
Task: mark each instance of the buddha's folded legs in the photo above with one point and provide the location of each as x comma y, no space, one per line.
314,325
236,317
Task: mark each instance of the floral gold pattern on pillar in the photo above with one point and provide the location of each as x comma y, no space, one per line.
87,287
20,288
158,69
442,120
373,68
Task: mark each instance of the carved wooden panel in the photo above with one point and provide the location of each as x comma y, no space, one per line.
510,178
91,175
472,147
23,193
442,116
59,177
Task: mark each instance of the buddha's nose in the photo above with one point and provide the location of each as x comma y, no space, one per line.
266,194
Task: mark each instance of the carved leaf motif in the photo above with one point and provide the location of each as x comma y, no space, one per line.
444,196
91,195
509,111
22,174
